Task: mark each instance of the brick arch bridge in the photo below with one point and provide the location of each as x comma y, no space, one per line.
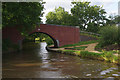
56,42
61,35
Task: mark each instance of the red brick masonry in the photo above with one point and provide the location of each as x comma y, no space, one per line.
64,34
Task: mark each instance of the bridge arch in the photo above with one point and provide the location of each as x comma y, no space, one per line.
61,35
56,43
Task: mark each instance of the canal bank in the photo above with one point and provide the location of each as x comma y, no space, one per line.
95,55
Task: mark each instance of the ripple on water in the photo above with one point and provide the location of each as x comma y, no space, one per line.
115,75
109,71
62,60
88,74
54,65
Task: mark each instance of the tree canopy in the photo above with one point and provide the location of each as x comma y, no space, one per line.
59,17
26,14
88,16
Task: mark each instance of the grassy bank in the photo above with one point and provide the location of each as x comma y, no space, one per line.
77,50
80,43
104,56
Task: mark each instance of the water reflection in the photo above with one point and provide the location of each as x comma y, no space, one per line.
43,53
43,47
46,63
39,63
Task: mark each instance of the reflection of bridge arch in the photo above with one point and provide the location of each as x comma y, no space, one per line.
62,34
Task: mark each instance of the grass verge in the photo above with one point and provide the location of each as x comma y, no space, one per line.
80,43
80,48
104,56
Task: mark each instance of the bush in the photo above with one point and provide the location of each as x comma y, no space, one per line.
109,35
119,35
108,56
49,41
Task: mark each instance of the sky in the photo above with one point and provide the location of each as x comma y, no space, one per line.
110,6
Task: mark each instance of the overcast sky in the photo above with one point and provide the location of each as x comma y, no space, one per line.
110,6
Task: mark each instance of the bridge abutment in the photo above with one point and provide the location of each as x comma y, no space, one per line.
61,35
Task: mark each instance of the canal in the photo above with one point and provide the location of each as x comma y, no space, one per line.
39,63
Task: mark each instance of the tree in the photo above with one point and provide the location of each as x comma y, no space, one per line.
109,35
60,17
89,17
25,14
117,19
113,19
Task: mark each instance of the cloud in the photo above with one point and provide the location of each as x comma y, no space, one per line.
51,5
56,3
102,1
110,6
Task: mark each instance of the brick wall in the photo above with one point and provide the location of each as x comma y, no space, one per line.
65,34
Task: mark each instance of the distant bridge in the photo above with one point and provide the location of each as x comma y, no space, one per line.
61,35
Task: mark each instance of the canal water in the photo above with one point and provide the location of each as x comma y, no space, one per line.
39,63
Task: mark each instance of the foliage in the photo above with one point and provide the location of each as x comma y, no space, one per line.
117,19
108,56
25,14
31,38
89,54
111,48
68,51
7,44
105,55
98,47
49,41
118,41
109,35
81,43
90,35
59,17
113,19
88,16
